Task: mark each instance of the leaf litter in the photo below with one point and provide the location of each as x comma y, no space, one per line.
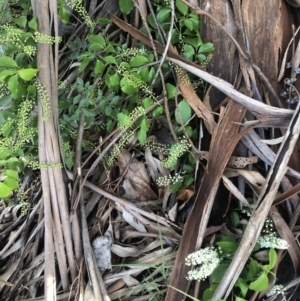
131,230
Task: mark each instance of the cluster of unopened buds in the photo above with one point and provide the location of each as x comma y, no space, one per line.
290,93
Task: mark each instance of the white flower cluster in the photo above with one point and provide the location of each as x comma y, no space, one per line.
275,289
168,180
271,241
247,211
206,260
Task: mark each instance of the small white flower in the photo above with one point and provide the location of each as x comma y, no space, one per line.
271,241
275,289
206,260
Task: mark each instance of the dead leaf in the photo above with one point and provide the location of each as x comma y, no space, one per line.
131,220
185,193
102,250
155,166
136,179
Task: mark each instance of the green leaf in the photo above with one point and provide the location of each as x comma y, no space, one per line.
188,52
151,74
171,89
5,191
207,47
144,124
27,74
13,85
163,14
12,174
11,183
241,283
157,112
5,73
5,102
189,24
127,87
126,6
64,14
69,162
219,272
272,258
175,187
6,61
97,42
193,41
96,39
189,49
151,21
79,80
96,47
240,299
12,160
31,89
99,67
138,61
88,113
235,219
183,112
33,24
188,168
228,238
227,246
108,110
183,8
114,80
103,21
84,64
147,102
115,100
142,136
110,59
189,180
260,284
189,130
21,21
110,126
254,269
208,293
123,120
144,72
